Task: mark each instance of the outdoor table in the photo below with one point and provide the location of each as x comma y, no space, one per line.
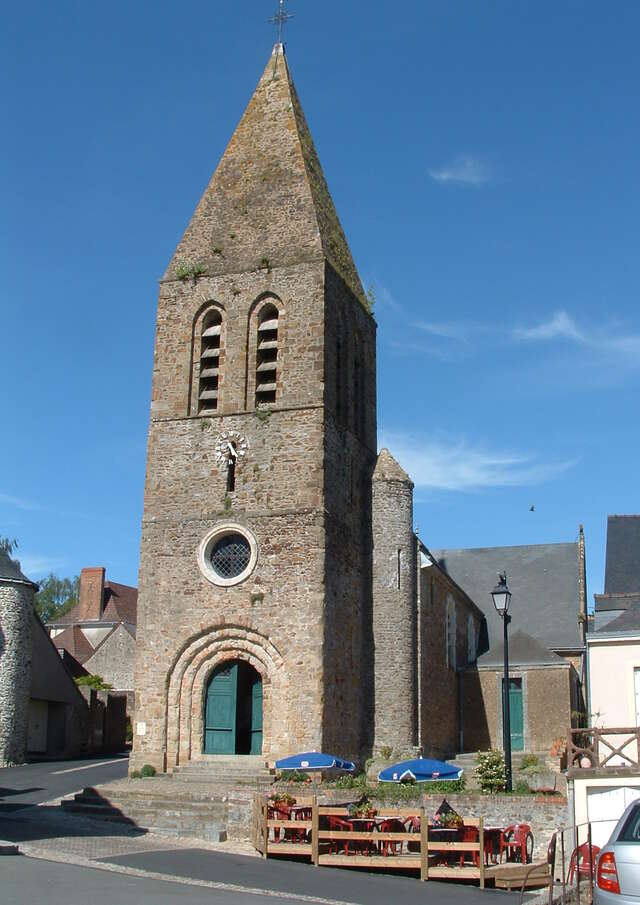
444,834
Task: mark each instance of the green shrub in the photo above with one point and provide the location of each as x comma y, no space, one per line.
410,791
529,760
293,776
128,731
96,682
148,770
386,752
490,771
521,788
135,774
351,782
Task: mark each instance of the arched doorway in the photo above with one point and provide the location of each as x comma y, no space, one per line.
233,710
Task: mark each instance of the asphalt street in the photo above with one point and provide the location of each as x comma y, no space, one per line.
290,878
25,881
29,784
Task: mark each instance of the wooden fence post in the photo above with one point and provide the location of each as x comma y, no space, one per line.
265,826
315,826
424,846
481,853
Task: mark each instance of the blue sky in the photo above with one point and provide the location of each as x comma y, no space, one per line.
483,158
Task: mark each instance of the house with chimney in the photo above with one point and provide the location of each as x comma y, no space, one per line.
98,636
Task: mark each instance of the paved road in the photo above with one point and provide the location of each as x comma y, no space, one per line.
30,784
289,878
25,881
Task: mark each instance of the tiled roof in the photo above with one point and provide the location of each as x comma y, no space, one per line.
120,603
10,568
544,582
622,572
523,651
629,621
73,640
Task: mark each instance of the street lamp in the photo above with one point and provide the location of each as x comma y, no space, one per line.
501,600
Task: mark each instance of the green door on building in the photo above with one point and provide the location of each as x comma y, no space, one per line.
233,710
256,715
516,714
220,711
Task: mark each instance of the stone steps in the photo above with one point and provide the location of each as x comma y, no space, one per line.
160,807
192,800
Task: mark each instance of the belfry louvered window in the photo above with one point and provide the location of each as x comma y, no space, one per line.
267,355
208,387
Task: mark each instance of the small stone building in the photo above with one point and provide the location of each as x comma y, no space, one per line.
546,643
16,629
99,634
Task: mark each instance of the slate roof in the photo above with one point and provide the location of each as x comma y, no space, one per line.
269,183
629,621
622,570
523,650
544,582
73,640
10,568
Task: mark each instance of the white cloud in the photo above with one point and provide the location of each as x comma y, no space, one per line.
463,170
18,503
560,326
438,465
459,331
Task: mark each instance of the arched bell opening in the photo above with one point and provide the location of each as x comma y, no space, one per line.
233,710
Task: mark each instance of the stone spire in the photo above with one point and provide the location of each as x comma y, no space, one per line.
387,469
267,204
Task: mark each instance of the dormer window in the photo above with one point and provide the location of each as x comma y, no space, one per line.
267,356
209,382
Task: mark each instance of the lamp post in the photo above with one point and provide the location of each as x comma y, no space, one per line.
501,599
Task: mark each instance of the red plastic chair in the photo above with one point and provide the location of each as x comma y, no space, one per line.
583,860
517,842
341,826
391,846
278,812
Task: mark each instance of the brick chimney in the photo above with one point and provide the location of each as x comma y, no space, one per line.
91,593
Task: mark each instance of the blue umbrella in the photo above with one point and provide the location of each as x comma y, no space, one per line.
312,760
420,770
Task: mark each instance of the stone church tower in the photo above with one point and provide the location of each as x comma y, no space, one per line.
255,602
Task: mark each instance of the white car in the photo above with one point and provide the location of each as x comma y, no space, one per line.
617,879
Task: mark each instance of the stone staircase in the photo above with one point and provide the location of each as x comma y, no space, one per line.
198,799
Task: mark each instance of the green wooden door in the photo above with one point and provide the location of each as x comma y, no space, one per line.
516,714
256,716
220,711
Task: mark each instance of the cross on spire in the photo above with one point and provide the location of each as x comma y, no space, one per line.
281,18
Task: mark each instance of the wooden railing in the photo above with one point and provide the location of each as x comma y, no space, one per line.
309,835
603,747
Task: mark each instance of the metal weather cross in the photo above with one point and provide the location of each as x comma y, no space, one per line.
280,19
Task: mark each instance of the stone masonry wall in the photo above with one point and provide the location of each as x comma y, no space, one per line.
440,677
394,614
349,454
114,660
546,699
279,497
16,614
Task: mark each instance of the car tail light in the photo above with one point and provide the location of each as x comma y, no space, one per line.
608,873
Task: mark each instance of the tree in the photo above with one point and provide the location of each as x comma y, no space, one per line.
56,596
8,546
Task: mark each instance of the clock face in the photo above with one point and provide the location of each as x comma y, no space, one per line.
230,447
